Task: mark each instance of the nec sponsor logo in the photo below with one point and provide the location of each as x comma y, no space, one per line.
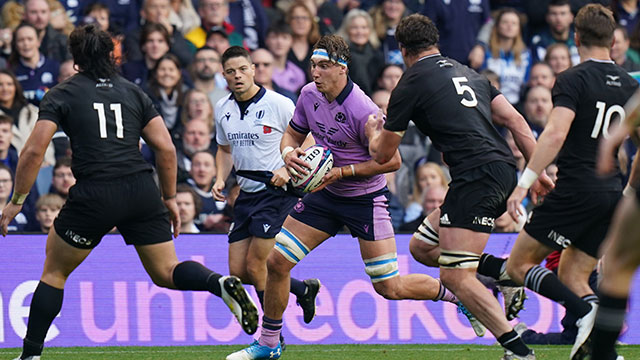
559,239
78,239
484,221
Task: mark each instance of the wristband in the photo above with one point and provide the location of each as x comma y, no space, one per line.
527,178
341,176
628,191
286,150
353,170
18,199
165,198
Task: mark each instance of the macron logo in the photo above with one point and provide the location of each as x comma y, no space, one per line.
266,227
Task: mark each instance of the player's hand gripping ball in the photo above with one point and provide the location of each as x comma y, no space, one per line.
321,161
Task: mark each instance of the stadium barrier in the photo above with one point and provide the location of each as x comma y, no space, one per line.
110,301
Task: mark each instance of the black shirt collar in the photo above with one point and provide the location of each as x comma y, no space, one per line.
345,92
255,97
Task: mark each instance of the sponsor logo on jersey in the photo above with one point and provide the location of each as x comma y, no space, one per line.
484,221
78,239
299,207
266,227
260,114
243,138
559,239
613,80
316,106
340,117
266,129
332,131
444,219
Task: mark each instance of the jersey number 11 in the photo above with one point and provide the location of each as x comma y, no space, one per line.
102,118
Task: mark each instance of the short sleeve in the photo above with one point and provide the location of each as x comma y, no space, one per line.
299,121
494,92
566,91
221,139
401,107
52,107
149,111
286,110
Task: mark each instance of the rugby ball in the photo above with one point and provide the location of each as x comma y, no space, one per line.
321,161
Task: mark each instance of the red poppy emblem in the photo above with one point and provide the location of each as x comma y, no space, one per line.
266,129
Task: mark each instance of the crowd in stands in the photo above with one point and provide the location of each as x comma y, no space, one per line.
172,50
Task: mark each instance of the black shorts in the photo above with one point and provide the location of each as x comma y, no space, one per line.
478,196
259,214
132,204
580,219
366,216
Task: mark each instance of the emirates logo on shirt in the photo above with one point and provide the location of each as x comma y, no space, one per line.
266,129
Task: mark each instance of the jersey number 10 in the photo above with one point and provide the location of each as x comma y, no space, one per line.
604,118
102,118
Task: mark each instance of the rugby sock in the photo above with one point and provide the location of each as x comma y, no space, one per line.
492,266
609,322
445,294
591,299
191,275
297,287
45,306
270,334
261,298
547,284
513,342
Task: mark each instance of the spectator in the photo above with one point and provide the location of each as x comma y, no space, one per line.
206,71
426,175
559,17
24,114
203,174
196,106
196,137
63,178
248,17
166,89
213,13
158,11
507,54
386,18
537,107
619,50
12,15
59,19
494,79
432,198
36,72
52,44
99,13
558,57
305,33
8,154
389,77
381,98
218,39
541,74
188,208
366,58
124,15
47,208
286,74
154,43
67,70
626,13
264,63
6,188
457,41
184,16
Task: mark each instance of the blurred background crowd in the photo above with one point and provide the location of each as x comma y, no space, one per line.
172,50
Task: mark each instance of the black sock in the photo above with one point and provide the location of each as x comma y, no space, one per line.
609,322
45,306
513,342
191,275
261,298
491,266
297,287
271,324
547,284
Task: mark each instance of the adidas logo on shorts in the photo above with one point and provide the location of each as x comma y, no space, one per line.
444,219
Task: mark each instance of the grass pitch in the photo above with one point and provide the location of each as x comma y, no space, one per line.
310,352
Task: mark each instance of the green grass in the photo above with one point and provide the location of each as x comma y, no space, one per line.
309,352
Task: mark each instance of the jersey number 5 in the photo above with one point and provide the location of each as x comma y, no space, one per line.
604,118
102,119
461,89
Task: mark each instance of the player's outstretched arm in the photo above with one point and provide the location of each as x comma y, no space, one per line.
156,135
224,163
28,166
383,144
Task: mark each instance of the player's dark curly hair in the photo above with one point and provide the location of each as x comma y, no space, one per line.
92,51
595,25
233,52
336,47
416,33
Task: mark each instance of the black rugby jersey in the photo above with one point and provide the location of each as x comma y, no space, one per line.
597,92
104,120
452,105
